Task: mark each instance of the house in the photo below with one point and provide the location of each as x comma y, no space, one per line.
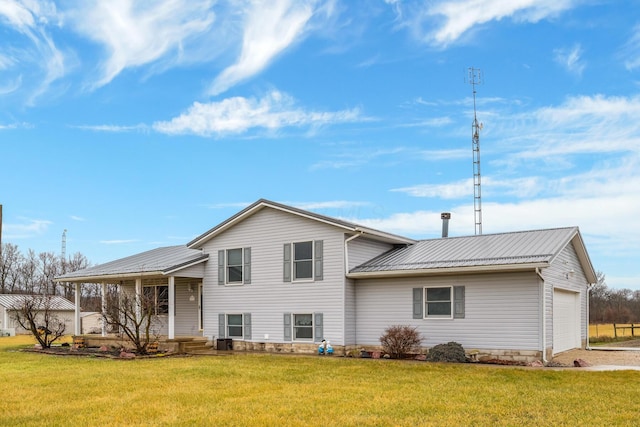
277,278
90,322
58,306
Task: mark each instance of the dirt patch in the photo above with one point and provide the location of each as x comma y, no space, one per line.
600,357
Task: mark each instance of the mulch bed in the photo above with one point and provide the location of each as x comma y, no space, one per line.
110,353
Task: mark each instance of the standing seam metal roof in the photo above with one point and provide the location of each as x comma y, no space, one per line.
523,247
15,300
156,260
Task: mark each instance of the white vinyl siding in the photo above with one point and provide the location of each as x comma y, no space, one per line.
268,297
501,311
362,250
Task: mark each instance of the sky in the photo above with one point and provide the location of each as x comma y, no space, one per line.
134,125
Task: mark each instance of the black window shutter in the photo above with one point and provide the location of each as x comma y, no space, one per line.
318,260
221,267
418,294
458,302
287,263
247,266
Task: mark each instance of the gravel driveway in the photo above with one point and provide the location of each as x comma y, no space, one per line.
603,357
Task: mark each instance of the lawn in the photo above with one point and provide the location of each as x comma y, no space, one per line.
274,390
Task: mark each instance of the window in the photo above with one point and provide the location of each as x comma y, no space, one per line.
235,325
234,266
156,298
302,260
303,327
438,302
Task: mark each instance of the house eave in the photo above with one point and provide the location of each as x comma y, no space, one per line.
445,271
109,278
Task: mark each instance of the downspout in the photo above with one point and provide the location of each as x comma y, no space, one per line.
346,251
346,271
544,316
589,286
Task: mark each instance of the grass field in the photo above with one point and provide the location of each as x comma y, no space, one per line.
606,330
278,390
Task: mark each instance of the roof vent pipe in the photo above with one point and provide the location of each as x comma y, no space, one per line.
446,216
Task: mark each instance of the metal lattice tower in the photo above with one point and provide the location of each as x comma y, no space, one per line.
63,251
475,78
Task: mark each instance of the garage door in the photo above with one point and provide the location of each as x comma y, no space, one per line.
566,321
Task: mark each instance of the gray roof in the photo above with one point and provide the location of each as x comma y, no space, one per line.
263,203
525,249
159,261
15,300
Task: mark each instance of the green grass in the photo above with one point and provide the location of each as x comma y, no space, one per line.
276,390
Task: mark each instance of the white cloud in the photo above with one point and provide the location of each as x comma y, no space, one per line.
29,228
571,59
269,29
35,49
238,114
118,242
630,52
581,125
453,19
137,33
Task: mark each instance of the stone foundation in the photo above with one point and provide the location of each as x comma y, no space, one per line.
176,345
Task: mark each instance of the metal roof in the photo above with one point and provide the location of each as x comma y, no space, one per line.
263,203
509,250
160,261
16,300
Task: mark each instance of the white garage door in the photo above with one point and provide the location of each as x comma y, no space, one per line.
566,321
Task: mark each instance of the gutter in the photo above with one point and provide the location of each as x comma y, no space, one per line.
446,270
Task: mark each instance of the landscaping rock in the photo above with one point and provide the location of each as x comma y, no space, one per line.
421,357
536,364
104,348
126,355
581,363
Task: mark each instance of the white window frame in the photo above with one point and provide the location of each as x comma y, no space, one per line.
293,327
226,267
426,303
312,260
235,326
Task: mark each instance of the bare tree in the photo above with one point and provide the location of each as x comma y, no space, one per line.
133,315
36,314
10,259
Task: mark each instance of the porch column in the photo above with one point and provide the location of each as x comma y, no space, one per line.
77,329
103,291
172,307
138,298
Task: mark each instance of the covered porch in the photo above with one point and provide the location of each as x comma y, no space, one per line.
170,278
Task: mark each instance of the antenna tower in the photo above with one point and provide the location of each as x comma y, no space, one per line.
63,251
475,79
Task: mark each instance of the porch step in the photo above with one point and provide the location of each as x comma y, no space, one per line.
194,346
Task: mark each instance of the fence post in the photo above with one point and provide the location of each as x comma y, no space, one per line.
615,331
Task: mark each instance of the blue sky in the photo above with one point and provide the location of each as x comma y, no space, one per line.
135,125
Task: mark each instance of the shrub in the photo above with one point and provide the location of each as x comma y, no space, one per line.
399,341
449,352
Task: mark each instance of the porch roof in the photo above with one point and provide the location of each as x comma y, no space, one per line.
159,262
